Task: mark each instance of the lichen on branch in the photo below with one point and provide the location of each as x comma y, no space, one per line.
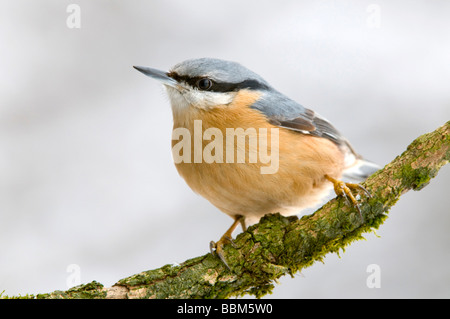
279,246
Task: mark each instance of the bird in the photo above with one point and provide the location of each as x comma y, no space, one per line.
217,102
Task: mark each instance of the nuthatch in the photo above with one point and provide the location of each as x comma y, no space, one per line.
212,97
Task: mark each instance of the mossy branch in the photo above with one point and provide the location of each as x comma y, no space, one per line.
277,246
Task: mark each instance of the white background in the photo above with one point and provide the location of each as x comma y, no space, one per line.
86,175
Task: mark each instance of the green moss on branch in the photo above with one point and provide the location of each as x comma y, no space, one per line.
277,246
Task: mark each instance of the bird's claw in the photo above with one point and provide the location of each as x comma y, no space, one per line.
345,190
217,248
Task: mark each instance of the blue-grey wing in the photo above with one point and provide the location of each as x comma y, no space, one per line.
284,112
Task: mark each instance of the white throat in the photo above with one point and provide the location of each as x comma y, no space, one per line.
182,99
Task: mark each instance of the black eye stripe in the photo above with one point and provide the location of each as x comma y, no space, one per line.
192,81
220,86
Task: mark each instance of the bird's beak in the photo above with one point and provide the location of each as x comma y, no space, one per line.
157,75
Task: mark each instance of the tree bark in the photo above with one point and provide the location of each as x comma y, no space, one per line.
277,245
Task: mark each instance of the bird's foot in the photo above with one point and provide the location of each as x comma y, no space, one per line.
345,190
217,247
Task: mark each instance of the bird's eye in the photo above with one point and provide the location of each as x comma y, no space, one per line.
204,84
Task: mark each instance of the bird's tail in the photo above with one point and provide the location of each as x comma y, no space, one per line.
360,170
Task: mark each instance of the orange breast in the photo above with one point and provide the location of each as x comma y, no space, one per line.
240,188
